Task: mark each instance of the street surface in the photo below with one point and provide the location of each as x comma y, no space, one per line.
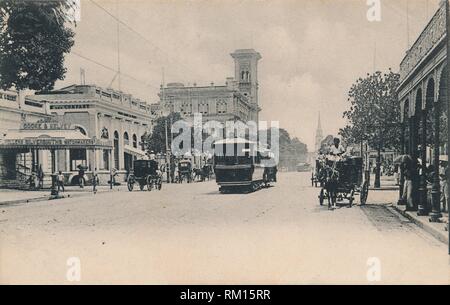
191,233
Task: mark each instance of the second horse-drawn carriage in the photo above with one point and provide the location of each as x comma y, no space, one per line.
145,173
185,171
341,180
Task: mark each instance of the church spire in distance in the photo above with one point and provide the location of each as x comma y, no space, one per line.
319,125
319,134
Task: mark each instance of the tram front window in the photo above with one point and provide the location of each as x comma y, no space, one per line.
228,155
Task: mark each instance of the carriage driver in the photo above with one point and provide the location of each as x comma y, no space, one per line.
336,150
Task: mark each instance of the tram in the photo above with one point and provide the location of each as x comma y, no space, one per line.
239,165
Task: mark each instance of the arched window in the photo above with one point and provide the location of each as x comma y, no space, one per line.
142,143
81,129
126,139
116,149
134,141
221,107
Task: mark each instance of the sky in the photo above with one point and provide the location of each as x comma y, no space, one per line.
312,50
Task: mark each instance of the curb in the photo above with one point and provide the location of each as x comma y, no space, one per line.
440,235
384,188
48,198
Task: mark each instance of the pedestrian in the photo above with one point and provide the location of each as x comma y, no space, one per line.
81,176
40,177
443,177
94,181
396,175
32,181
60,181
172,170
407,169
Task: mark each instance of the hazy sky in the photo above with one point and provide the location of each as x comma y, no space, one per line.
312,51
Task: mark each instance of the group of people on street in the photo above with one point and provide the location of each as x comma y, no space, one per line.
36,179
407,168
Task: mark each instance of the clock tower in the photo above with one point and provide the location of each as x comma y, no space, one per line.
246,73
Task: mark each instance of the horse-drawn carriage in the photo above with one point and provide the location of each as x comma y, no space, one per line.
342,180
145,173
203,173
315,175
185,171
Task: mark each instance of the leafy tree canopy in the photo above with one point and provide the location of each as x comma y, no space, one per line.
156,141
33,40
374,113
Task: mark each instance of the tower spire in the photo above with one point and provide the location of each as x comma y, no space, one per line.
319,134
319,124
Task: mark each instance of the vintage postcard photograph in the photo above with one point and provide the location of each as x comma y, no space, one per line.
224,142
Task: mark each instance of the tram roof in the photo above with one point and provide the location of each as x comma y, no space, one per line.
233,141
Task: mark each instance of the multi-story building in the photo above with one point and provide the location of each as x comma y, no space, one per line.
77,125
237,100
103,113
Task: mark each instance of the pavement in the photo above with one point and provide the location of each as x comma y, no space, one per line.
190,233
10,197
387,183
438,230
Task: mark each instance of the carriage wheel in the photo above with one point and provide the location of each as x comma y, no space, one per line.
351,198
141,186
364,193
321,196
149,183
159,184
130,183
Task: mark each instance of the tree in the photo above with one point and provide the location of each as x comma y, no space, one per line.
374,114
33,40
292,150
156,141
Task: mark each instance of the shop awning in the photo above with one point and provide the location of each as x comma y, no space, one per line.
51,139
134,151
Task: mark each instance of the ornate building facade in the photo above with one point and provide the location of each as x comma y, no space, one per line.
111,124
237,100
423,99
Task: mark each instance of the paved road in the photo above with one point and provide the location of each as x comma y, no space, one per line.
193,234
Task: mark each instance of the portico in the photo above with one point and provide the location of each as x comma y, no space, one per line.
49,146
423,102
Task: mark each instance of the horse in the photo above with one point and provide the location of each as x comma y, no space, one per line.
329,178
198,174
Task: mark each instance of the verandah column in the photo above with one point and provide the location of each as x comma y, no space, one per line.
401,201
412,206
423,205
435,190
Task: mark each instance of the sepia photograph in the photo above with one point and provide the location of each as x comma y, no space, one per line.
209,144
